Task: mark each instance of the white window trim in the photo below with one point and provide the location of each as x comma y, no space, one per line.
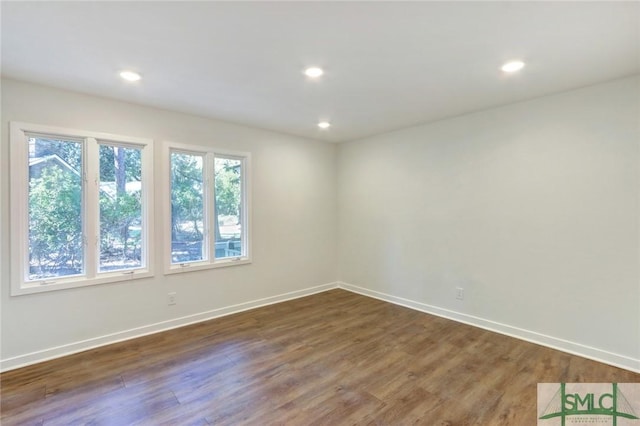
209,153
19,182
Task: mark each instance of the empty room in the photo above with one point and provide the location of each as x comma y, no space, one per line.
331,213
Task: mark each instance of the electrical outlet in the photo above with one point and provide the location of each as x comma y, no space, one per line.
459,293
171,298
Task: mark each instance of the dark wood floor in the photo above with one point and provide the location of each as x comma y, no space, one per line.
333,358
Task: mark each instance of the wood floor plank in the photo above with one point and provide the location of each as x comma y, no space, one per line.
329,359
20,398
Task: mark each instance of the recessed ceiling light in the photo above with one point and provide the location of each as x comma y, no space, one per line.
513,66
130,75
324,124
313,72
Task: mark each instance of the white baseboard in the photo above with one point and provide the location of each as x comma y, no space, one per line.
573,348
595,354
83,345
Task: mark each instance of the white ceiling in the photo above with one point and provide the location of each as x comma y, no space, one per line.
387,64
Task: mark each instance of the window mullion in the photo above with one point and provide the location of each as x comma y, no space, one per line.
91,206
244,214
210,199
146,205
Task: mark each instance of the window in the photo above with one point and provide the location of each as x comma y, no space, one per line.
120,191
80,208
228,210
187,208
207,208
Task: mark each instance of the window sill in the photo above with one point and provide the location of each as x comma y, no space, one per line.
199,266
67,283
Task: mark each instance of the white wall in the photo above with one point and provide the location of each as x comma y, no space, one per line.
532,208
294,229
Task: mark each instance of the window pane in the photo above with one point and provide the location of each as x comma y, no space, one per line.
187,208
55,208
121,224
228,204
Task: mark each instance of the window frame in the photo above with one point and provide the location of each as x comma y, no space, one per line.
209,154
19,133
